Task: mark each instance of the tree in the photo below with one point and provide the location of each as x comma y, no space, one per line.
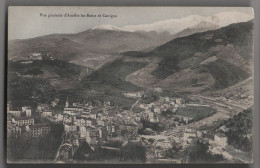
194,81
239,127
133,151
196,152
83,150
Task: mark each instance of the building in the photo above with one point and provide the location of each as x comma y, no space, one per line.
137,118
35,56
151,117
69,119
199,134
180,101
13,130
60,117
67,102
42,107
111,128
72,110
9,118
23,121
224,128
132,128
100,132
8,106
91,139
88,122
46,113
55,102
90,134
85,130
187,119
76,109
93,115
134,94
82,121
69,127
220,139
27,111
157,110
100,123
189,133
15,113
158,89
163,144
144,106
38,130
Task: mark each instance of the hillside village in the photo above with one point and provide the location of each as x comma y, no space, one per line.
158,126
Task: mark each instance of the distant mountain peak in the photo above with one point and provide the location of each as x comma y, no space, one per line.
107,27
226,18
174,26
204,24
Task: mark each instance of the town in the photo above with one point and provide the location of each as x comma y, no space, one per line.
163,128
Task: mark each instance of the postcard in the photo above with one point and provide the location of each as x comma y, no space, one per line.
116,85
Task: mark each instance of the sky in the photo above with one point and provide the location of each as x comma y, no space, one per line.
29,22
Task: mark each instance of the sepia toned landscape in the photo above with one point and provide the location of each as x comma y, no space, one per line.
177,90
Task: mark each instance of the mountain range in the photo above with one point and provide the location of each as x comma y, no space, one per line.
205,61
174,26
103,43
204,58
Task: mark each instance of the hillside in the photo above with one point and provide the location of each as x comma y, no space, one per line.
89,48
109,81
181,68
206,62
41,79
111,77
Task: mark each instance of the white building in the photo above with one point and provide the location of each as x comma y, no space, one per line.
36,56
83,131
100,123
60,117
28,112
144,106
157,110
93,115
73,109
46,113
189,133
70,127
180,101
134,94
220,139
42,107
23,121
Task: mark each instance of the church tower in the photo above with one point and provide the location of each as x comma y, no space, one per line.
67,102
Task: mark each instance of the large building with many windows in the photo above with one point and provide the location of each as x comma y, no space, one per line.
69,127
23,121
38,130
